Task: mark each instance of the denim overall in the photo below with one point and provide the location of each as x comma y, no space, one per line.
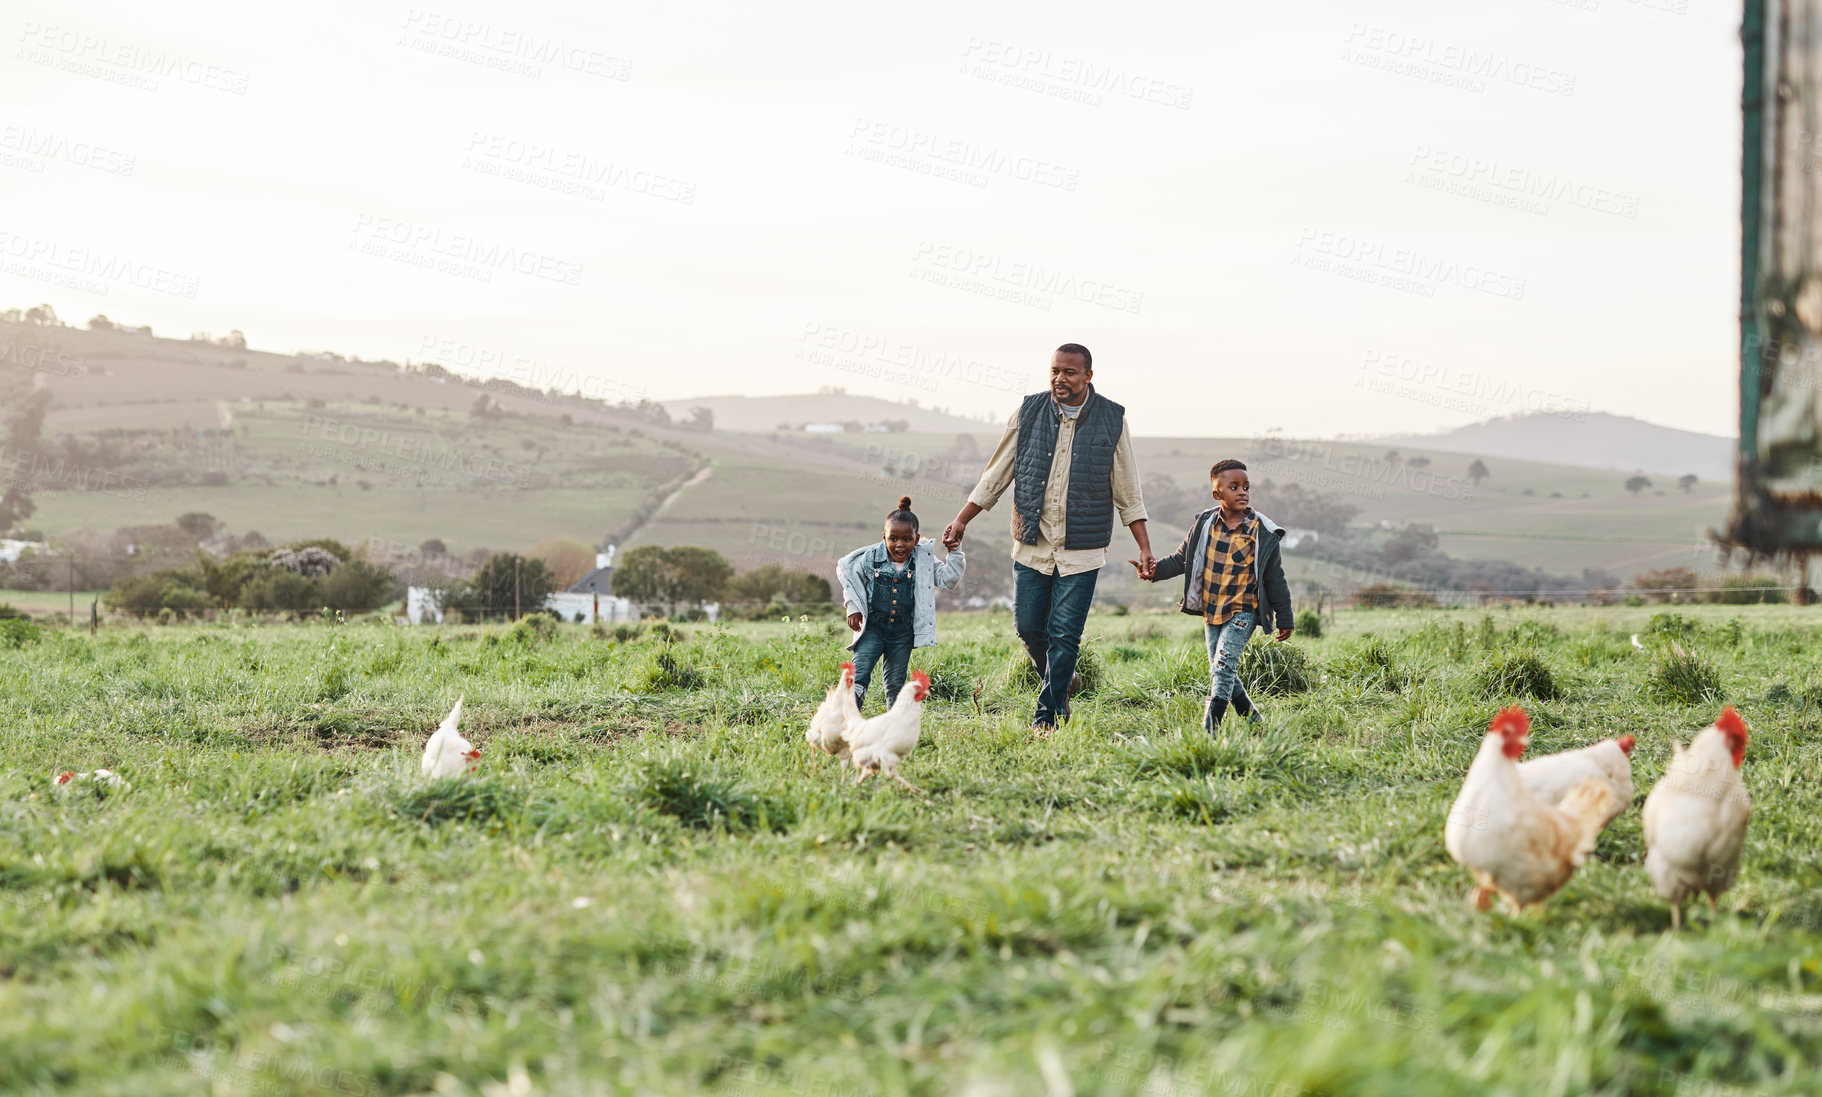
889,630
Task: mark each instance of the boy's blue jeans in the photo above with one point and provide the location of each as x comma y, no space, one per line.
1225,643
895,646
1049,612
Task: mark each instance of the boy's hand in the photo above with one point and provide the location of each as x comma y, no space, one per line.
1148,567
1283,635
854,622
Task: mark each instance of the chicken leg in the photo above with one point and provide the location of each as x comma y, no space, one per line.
894,775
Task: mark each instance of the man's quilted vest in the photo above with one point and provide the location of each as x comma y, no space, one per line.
1088,510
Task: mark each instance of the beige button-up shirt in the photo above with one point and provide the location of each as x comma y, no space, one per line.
1047,554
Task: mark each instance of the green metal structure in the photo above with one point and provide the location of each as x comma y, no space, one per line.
1778,507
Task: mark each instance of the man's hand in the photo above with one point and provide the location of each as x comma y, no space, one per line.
956,530
1283,635
1146,563
854,622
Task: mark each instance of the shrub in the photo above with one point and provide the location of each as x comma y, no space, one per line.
1748,590
1683,676
1273,669
357,587
16,632
1517,674
278,589
8,613
1668,585
1309,624
1392,596
534,628
182,591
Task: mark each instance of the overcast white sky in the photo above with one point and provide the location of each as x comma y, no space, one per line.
1218,227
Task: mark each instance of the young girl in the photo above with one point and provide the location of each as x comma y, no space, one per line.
889,588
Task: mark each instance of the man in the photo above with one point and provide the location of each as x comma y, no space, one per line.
1067,455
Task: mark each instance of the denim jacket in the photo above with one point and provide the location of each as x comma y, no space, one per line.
855,571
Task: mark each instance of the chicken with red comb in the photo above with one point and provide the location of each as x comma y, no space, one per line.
1549,777
883,742
836,717
1695,816
1513,844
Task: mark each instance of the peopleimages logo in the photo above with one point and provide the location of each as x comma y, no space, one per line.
412,452
88,269
1374,260
457,253
1065,77
965,155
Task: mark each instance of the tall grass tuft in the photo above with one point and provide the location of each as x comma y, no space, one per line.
1684,677
697,795
667,671
1517,674
1273,669
1180,672
1374,665
1234,751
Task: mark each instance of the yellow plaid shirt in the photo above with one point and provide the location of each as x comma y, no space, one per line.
1227,577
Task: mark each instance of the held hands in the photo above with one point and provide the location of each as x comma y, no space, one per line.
1147,565
952,535
854,622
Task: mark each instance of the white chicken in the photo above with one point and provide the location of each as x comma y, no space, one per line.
881,743
447,754
836,717
1513,844
1696,815
1549,777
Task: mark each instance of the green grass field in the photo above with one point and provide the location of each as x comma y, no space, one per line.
652,885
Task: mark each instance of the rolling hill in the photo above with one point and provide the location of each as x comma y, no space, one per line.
1588,440
766,413
142,429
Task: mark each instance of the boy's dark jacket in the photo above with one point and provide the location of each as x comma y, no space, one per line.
1268,569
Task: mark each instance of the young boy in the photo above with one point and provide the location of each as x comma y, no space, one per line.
1233,577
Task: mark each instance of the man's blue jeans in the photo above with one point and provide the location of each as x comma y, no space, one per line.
1049,612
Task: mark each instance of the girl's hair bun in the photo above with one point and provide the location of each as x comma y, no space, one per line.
904,502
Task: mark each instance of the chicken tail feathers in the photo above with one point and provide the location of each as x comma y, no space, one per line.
1587,805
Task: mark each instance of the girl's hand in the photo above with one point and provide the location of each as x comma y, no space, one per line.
854,622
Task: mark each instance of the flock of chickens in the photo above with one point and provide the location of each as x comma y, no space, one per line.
1521,828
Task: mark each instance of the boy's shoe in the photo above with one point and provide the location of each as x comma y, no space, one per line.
1243,706
1212,714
